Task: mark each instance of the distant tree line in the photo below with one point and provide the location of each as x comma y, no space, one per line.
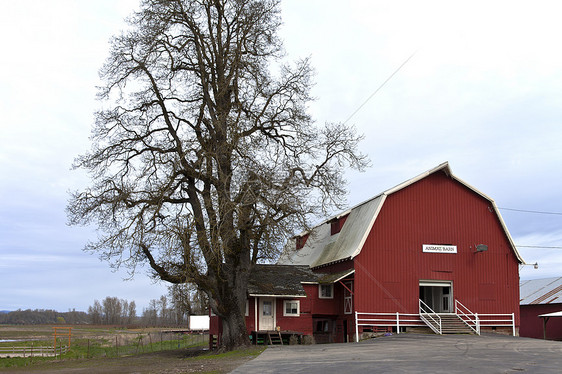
43,316
169,310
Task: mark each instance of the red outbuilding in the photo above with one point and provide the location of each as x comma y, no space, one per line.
541,308
432,252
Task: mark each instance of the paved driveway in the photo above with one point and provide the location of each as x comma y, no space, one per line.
414,353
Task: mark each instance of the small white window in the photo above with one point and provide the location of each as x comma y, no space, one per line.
247,308
291,308
326,291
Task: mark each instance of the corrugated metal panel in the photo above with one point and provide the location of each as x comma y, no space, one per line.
323,248
541,291
437,210
353,233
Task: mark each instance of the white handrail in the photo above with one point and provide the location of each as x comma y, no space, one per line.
424,314
464,316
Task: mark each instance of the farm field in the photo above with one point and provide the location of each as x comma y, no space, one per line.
105,349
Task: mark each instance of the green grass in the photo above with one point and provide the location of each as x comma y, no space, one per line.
92,348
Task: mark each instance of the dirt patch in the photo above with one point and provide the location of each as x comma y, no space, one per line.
167,362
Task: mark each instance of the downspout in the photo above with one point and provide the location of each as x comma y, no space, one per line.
256,313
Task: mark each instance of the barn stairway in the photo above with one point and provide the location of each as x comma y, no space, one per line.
450,324
453,324
274,338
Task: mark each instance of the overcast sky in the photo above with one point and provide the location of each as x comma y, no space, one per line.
482,89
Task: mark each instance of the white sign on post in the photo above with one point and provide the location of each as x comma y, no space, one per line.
437,248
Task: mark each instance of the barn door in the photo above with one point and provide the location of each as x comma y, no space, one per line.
438,295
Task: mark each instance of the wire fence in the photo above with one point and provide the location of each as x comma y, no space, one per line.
116,345
33,351
125,345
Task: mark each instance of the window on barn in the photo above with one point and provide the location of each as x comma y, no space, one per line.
337,224
301,240
326,291
291,308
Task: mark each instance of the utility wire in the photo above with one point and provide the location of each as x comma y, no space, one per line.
380,87
531,211
534,212
537,246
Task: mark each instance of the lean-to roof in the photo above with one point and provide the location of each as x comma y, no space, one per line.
287,280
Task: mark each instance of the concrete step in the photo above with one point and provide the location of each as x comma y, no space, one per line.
451,324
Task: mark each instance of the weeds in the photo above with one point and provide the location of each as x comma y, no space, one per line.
115,346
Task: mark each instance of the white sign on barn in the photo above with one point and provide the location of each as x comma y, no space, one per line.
436,248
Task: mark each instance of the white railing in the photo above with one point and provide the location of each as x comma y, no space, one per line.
497,320
386,320
477,320
427,317
431,319
466,315
32,351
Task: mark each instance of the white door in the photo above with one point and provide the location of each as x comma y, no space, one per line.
267,314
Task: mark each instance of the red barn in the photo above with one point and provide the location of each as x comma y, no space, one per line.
540,297
432,252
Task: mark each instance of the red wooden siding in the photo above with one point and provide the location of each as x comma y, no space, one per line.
436,210
532,324
301,241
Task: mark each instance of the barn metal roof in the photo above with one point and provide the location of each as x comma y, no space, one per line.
322,248
541,291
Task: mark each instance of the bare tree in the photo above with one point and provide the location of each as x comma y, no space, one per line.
150,314
181,303
165,311
112,310
204,158
132,313
96,312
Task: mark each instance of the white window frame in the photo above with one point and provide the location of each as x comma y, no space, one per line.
331,288
298,313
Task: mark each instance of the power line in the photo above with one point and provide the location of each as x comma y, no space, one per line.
537,246
380,87
531,211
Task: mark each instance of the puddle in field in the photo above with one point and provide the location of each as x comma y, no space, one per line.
7,340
